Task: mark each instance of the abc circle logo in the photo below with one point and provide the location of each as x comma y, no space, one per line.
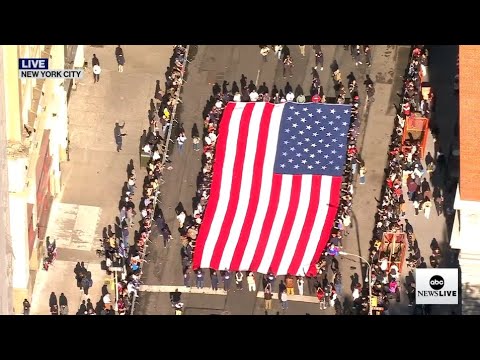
436,282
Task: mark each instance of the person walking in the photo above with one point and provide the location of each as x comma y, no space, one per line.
120,58
427,207
26,307
284,300
290,285
239,280
87,282
119,135
264,51
200,280
368,55
196,143
214,281
186,277
63,302
302,50
226,280
319,59
267,295
278,51
300,283
288,66
97,70
251,282
181,138
362,172
356,55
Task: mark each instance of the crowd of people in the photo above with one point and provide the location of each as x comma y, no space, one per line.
123,260
318,282
404,169
328,279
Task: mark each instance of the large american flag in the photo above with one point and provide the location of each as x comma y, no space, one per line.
276,185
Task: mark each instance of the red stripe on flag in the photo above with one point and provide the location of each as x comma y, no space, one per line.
255,189
307,226
235,188
328,223
210,210
288,223
267,223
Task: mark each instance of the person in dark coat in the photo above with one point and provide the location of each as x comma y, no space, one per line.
63,302
120,58
87,282
119,135
214,281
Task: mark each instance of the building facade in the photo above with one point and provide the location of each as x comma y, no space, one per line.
37,144
466,226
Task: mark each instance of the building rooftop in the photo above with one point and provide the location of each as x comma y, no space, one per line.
469,128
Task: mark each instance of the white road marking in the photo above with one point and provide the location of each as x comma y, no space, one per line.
220,291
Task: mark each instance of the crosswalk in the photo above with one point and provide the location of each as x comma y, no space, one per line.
220,292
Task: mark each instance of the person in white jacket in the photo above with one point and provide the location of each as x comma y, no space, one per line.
251,282
284,300
300,283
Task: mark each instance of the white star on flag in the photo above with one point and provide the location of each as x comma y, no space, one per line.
310,114
295,125
332,111
282,165
304,161
310,166
319,111
345,111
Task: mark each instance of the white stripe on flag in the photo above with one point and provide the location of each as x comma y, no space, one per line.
322,211
245,187
300,216
227,176
265,189
280,215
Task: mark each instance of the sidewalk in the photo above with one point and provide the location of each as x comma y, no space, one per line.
93,179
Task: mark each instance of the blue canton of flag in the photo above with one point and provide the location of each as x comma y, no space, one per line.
313,139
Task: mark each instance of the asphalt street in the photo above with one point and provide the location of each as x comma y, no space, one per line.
218,63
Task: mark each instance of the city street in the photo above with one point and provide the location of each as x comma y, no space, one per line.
218,63
93,179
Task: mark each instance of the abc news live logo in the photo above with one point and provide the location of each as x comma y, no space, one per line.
38,69
436,286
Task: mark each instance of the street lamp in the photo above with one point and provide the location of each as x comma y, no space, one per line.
369,277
